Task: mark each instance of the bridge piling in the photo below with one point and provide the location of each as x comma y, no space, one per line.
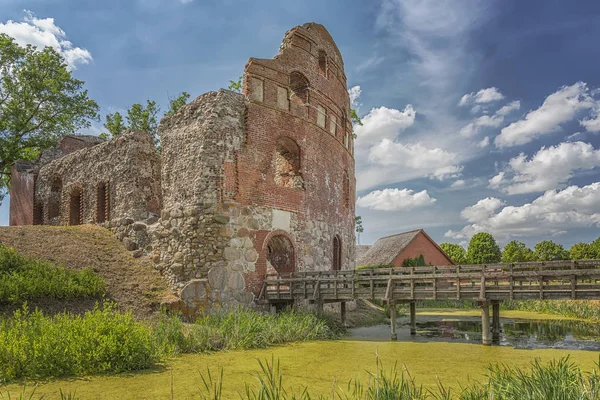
394,335
343,312
413,318
496,322
485,323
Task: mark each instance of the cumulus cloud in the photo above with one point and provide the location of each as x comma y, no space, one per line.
42,32
395,200
554,212
383,123
559,107
491,121
549,168
592,124
488,95
354,93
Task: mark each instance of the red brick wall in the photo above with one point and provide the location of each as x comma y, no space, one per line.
422,245
324,158
22,188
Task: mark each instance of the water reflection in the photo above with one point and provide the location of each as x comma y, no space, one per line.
518,333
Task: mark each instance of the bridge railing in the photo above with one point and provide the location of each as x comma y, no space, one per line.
532,280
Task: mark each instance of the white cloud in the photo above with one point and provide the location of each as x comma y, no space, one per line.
553,213
395,200
549,168
485,142
490,121
592,124
558,108
44,32
383,123
483,96
458,183
354,93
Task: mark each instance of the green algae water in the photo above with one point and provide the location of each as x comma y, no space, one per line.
320,365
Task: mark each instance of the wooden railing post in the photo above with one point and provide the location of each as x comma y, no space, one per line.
458,282
412,283
482,287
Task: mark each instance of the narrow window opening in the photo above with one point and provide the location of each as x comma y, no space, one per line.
346,190
103,203
54,199
38,214
300,87
323,63
337,253
76,207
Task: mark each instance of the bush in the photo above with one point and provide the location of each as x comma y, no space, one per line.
33,345
22,279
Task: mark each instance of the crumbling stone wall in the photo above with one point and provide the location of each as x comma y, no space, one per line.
128,167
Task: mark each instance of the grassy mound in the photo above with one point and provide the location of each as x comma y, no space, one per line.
23,279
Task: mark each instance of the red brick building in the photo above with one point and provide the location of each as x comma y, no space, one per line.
393,250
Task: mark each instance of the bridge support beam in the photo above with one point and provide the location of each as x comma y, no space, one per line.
496,322
485,323
413,318
343,312
394,335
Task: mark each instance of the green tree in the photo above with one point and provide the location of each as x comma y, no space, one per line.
236,86
115,124
414,262
483,249
455,251
40,102
596,247
176,103
359,227
582,251
547,250
354,117
516,251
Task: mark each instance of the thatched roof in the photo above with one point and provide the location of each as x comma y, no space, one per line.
386,249
361,250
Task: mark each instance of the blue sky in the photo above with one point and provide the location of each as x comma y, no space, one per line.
478,115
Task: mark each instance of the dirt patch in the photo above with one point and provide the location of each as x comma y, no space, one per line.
133,283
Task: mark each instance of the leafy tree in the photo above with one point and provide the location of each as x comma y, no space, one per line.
455,251
236,86
40,102
596,246
547,250
354,117
483,249
516,251
176,103
115,124
583,251
359,227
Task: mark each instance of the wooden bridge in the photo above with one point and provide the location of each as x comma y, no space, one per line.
487,284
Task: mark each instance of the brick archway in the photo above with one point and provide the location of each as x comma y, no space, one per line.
76,206
279,250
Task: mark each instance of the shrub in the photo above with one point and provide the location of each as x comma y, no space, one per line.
33,345
22,279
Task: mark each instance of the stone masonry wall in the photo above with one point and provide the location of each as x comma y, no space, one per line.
128,165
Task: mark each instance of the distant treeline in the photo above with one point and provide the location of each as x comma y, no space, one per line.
483,249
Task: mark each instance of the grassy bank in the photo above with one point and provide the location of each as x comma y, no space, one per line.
104,340
23,278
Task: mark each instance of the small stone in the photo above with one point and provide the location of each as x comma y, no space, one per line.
177,213
231,254
225,231
236,281
128,221
253,224
139,226
251,255
137,253
217,277
178,257
243,232
221,219
129,244
177,268
151,220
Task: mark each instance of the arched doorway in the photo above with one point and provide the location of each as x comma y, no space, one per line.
337,254
280,254
54,200
76,207
102,202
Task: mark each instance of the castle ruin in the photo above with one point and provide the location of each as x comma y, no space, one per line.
247,183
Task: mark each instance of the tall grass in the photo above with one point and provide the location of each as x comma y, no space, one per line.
240,329
556,380
582,309
33,345
23,279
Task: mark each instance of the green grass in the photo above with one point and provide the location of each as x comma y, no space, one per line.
367,267
104,340
557,380
581,309
23,279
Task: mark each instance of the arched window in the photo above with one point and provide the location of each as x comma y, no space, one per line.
54,199
323,63
287,164
280,254
346,190
337,254
299,86
76,207
102,203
